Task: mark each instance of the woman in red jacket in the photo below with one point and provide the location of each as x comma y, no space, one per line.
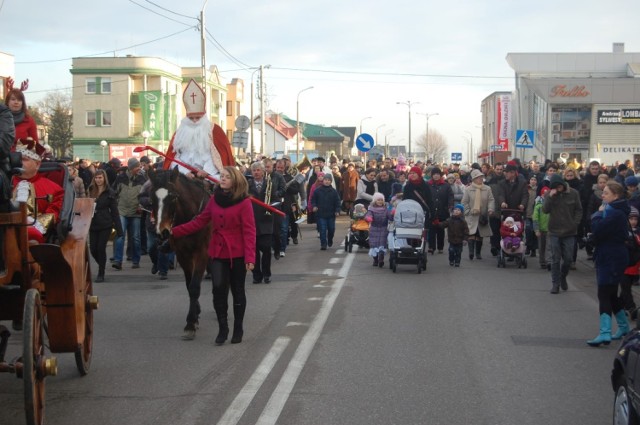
25,124
232,248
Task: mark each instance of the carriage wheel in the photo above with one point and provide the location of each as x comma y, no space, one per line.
350,246
83,353
419,266
33,359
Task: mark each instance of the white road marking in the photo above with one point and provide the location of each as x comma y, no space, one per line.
334,260
280,395
315,299
247,393
328,272
297,324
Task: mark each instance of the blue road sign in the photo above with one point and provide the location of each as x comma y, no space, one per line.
365,142
525,139
456,156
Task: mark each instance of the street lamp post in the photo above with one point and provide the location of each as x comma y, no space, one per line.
408,103
364,154
426,142
470,147
145,136
104,144
386,143
378,128
298,122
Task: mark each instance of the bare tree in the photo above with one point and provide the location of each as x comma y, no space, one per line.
55,111
437,146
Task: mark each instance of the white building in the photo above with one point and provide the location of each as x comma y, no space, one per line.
584,104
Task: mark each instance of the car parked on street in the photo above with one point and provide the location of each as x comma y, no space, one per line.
625,378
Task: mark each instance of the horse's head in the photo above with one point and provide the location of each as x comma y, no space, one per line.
164,198
175,199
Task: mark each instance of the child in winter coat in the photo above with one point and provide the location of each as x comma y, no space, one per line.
631,273
511,233
541,227
457,234
378,217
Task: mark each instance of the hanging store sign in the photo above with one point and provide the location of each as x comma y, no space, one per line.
561,90
619,116
504,121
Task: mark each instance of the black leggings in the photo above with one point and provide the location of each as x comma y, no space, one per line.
608,299
98,246
228,275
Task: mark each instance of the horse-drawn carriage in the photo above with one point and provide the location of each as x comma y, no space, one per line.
48,289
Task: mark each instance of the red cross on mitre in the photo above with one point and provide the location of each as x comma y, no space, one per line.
194,99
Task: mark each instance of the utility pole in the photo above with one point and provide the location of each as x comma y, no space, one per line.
263,130
203,56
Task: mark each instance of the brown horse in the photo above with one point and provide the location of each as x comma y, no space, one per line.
177,200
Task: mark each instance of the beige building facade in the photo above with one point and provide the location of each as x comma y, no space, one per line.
123,102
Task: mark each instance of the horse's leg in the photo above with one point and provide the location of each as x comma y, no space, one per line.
193,289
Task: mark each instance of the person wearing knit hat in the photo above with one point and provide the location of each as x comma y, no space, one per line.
378,218
325,204
442,194
563,205
457,233
128,185
418,190
631,273
540,222
479,205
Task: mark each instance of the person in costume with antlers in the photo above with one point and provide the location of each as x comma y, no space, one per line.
24,123
197,141
33,188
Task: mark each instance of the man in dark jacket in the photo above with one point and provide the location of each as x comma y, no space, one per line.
442,196
562,203
264,221
494,178
512,191
325,202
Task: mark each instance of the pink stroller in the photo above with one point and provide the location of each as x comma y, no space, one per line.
510,254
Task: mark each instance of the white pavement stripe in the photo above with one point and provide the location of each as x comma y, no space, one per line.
328,272
334,260
245,396
276,403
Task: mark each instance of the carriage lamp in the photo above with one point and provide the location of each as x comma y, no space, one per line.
93,302
51,366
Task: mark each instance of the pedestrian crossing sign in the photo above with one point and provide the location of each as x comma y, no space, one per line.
524,138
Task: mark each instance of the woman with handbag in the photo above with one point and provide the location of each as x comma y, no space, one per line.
610,233
478,204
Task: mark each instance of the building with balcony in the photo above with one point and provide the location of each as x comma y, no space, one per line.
129,101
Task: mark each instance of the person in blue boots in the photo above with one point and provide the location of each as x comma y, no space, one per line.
610,231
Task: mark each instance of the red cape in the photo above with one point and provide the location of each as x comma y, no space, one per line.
220,142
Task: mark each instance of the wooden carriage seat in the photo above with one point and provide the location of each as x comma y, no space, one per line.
58,173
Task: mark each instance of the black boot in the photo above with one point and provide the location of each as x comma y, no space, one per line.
375,261
478,249
223,323
238,317
472,247
380,259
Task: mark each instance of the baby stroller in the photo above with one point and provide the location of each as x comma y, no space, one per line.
358,230
407,241
513,254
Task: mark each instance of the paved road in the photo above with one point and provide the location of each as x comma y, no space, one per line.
334,340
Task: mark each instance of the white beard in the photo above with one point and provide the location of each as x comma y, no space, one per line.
193,145
193,136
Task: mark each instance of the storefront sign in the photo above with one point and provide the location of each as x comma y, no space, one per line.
619,116
561,90
504,121
621,149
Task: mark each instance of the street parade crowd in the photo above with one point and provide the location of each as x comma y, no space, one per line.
547,211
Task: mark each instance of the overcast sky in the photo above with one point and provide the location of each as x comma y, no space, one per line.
361,56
